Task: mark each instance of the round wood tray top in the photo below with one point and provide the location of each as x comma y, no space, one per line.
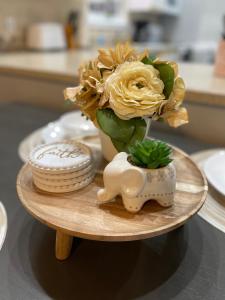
79,214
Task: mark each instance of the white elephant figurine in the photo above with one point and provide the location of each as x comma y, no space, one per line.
137,185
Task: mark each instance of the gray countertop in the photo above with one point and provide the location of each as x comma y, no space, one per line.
188,263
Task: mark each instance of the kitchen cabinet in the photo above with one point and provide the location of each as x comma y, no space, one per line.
169,7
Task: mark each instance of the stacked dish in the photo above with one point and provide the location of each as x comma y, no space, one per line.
69,125
62,167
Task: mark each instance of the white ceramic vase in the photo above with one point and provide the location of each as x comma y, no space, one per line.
137,185
108,149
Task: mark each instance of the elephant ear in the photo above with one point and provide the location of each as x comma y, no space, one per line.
133,181
120,156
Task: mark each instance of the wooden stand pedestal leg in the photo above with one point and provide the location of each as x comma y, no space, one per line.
63,245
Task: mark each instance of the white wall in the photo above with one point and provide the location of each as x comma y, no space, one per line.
200,20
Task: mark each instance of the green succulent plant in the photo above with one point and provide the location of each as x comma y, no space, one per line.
151,154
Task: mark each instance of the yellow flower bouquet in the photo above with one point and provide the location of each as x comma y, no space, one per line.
121,89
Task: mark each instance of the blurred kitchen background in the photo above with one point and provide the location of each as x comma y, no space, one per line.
181,29
42,44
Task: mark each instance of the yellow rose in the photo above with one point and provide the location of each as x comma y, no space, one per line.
135,90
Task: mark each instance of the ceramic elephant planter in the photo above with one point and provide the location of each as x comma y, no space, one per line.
137,185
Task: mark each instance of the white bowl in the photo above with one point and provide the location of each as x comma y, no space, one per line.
53,132
69,125
75,124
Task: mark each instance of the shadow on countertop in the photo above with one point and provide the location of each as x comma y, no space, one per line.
158,268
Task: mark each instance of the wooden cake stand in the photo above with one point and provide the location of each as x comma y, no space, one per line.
78,214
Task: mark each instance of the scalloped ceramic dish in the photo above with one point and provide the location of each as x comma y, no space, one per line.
214,168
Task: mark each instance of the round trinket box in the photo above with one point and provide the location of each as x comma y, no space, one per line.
61,167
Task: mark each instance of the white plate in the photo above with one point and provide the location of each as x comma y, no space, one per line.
35,139
213,210
3,224
75,124
29,143
214,168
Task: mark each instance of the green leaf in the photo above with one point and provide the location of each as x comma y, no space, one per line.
167,76
139,131
153,165
120,146
113,126
123,133
166,73
147,60
68,102
137,162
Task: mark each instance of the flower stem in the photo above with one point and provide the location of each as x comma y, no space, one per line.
148,121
